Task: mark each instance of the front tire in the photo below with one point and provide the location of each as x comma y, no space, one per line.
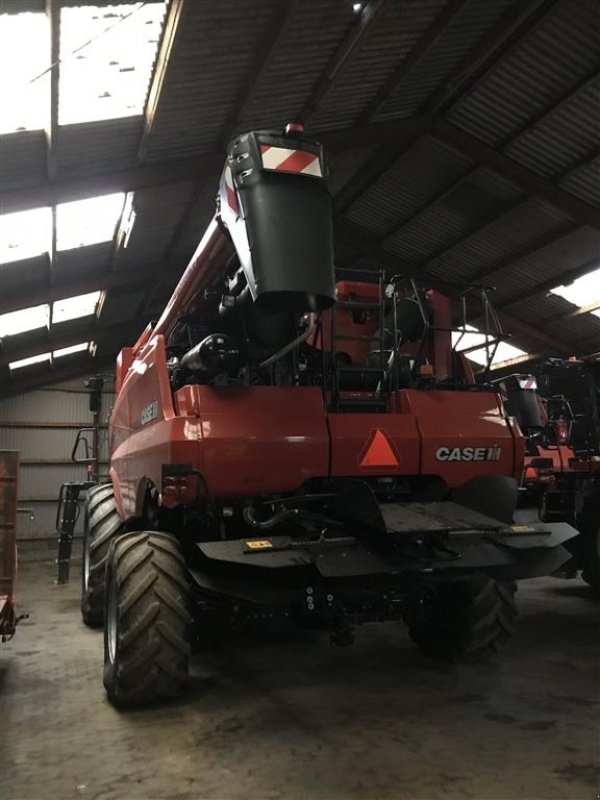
589,533
147,620
464,621
102,524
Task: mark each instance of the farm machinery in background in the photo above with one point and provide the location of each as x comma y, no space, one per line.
86,450
285,449
558,409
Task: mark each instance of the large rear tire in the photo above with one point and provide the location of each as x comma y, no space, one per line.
147,627
464,621
101,525
589,533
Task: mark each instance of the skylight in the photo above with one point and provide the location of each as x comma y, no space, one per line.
109,78
68,351
26,362
25,234
85,222
84,305
473,336
583,292
27,319
24,55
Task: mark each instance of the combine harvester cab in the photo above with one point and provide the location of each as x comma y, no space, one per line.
286,449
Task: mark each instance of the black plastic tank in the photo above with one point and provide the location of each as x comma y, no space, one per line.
275,202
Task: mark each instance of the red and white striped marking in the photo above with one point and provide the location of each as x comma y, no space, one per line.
283,159
231,193
528,383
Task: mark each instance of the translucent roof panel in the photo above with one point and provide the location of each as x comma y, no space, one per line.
26,362
84,305
583,292
69,351
108,78
473,336
25,234
85,222
25,86
27,319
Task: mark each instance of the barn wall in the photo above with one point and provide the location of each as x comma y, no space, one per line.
42,425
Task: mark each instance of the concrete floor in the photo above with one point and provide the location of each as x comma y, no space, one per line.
300,719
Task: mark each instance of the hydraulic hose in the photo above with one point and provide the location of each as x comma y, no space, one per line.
291,345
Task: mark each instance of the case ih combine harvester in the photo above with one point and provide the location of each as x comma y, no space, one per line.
558,410
282,455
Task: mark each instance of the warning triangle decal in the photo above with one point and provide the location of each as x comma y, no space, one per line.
379,453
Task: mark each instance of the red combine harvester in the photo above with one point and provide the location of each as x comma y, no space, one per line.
558,409
282,452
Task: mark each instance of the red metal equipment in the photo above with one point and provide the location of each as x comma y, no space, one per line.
285,450
9,470
558,409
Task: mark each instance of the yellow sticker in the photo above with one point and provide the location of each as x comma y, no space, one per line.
522,529
259,544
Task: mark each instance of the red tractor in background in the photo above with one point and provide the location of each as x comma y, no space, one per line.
287,451
558,409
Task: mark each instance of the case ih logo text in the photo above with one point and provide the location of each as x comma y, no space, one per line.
468,453
149,412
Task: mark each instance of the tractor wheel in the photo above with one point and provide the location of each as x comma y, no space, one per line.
589,532
147,620
102,523
464,621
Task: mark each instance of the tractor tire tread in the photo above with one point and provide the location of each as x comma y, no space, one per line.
469,621
103,525
152,650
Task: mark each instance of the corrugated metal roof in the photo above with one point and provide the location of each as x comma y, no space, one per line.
558,54
29,272
303,52
585,182
22,159
396,33
416,176
461,211
209,63
522,228
93,147
475,21
579,247
346,164
158,214
432,203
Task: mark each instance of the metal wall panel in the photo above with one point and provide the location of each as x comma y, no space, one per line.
42,426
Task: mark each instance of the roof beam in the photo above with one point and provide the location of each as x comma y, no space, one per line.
520,19
129,278
98,334
557,105
560,280
262,61
345,55
26,383
204,167
131,179
386,155
53,15
432,35
170,29
547,241
518,134
352,236
529,181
